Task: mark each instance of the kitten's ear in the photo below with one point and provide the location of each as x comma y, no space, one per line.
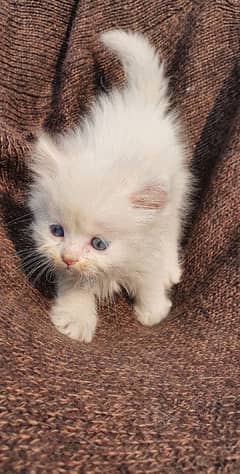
151,196
44,156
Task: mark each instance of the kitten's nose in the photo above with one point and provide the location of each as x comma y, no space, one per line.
68,260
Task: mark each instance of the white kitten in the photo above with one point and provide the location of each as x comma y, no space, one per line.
108,197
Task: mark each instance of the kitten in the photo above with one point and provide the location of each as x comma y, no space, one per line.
108,197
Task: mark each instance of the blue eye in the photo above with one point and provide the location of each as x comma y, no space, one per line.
99,244
57,230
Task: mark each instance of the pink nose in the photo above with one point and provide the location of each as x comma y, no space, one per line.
69,261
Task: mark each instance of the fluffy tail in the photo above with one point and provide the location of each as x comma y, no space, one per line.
140,61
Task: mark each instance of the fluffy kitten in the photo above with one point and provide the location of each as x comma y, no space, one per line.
108,197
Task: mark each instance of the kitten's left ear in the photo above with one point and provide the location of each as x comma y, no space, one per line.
152,196
44,156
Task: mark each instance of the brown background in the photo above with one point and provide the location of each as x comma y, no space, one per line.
137,400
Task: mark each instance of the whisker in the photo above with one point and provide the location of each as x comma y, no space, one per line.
16,256
32,258
26,250
29,253
50,277
31,266
35,269
21,218
39,275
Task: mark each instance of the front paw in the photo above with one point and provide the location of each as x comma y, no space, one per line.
75,323
173,277
149,316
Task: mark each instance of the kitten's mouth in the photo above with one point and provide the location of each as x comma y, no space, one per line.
79,267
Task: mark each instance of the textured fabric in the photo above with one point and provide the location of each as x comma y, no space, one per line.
136,400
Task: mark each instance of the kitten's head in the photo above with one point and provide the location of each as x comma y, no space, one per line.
88,220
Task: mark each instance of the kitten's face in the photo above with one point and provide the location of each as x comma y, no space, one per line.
83,237
77,248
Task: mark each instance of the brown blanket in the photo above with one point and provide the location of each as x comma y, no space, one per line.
136,400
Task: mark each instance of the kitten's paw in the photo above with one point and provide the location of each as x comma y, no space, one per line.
73,324
173,277
175,274
149,316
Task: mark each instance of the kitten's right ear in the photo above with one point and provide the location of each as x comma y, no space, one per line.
152,196
44,156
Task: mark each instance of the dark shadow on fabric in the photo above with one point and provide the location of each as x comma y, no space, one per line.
179,59
17,220
214,138
13,168
15,176
56,84
100,80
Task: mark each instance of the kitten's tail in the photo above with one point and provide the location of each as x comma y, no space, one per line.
140,61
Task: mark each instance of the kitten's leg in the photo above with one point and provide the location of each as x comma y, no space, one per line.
173,267
74,313
170,251
152,303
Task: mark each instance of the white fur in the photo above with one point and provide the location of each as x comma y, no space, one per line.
91,181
